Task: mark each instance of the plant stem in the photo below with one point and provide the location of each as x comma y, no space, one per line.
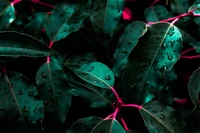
33,1
132,105
109,116
190,57
115,113
48,57
124,124
114,91
188,50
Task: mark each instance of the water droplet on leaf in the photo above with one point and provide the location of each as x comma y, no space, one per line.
107,77
91,69
161,116
169,56
164,46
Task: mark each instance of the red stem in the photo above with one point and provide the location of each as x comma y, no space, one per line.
109,116
48,57
34,1
124,124
115,113
188,50
190,57
114,91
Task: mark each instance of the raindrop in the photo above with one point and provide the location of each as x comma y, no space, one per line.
20,92
154,110
30,93
107,77
96,82
169,56
161,116
147,82
164,46
91,69
172,43
112,7
44,75
173,131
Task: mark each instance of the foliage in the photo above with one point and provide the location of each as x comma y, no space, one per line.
99,66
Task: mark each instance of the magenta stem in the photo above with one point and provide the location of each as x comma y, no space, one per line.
132,105
114,91
154,2
188,50
109,116
124,124
15,1
190,57
115,113
48,57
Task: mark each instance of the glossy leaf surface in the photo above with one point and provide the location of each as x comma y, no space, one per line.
156,52
160,118
22,45
127,42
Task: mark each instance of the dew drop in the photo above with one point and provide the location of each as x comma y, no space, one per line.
91,69
164,46
147,82
30,93
161,116
107,77
96,82
169,56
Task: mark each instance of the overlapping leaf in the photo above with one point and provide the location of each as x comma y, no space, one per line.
34,27
65,19
77,61
156,52
194,87
96,73
14,44
54,90
196,9
180,6
155,13
160,118
107,16
92,95
108,126
126,44
84,125
7,14
20,106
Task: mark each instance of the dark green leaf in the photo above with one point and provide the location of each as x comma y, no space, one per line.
97,74
7,14
194,87
65,19
19,104
180,6
93,95
156,52
197,47
84,125
108,126
54,89
34,28
107,16
126,44
77,61
155,13
14,44
160,118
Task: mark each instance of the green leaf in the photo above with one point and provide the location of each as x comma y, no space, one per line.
19,104
7,14
194,87
155,13
107,16
197,47
34,27
160,118
196,9
53,88
84,125
156,52
76,61
127,42
92,95
108,126
65,19
96,73
14,44
180,6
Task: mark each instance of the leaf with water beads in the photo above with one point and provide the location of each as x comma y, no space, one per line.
54,90
96,73
194,87
196,9
84,125
160,118
20,106
156,52
108,126
7,14
126,44
106,18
